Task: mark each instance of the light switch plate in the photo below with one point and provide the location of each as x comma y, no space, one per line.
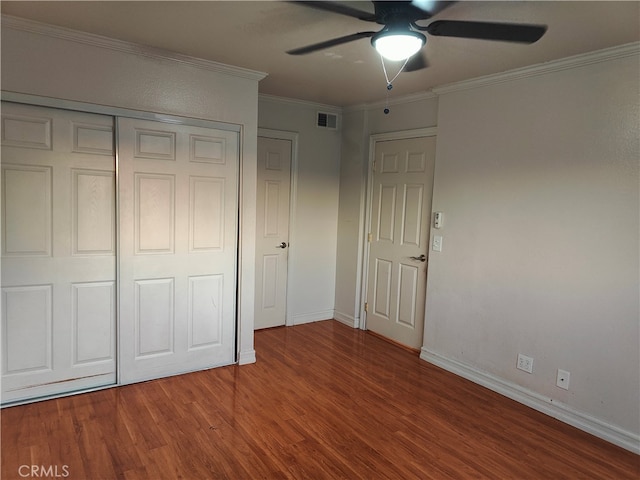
437,220
436,245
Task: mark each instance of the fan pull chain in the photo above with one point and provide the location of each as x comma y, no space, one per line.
390,82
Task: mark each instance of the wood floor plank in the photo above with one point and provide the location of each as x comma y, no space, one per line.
323,401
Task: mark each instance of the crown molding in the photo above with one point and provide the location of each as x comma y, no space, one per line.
410,98
304,103
99,41
576,61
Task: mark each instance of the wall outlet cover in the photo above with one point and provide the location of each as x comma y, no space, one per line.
525,363
562,380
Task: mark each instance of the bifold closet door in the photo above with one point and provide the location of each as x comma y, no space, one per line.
178,211
58,252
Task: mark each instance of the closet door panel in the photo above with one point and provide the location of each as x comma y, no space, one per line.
178,210
58,251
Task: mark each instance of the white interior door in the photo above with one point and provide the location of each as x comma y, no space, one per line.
178,190
272,231
58,252
400,216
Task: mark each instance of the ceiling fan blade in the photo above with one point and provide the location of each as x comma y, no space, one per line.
506,32
330,43
431,7
339,9
417,62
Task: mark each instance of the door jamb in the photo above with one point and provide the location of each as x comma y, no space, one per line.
364,266
293,195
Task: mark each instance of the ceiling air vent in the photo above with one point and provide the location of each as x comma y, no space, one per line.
327,120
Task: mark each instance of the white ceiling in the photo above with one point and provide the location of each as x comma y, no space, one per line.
256,35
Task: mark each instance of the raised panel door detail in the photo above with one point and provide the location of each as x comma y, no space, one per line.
386,213
407,291
382,287
154,316
92,139
93,212
27,205
178,242
273,161
27,328
156,145
400,236
412,214
416,162
389,163
272,192
274,164
154,213
206,213
26,132
58,245
94,322
206,149
205,310
270,281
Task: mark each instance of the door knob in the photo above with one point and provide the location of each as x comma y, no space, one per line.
282,245
422,258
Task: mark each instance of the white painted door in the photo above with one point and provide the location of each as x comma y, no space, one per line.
272,231
400,215
58,252
178,190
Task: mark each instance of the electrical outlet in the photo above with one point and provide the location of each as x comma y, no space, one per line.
525,363
562,380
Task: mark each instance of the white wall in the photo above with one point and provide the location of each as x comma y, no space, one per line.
538,179
312,254
537,175
350,216
61,64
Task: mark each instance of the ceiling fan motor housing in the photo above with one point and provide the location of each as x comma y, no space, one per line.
398,13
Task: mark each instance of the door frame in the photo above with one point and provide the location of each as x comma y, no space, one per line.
363,260
293,195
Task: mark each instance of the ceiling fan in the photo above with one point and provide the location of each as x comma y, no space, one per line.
401,37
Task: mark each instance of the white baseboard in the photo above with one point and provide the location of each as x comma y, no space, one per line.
611,433
247,357
312,317
348,320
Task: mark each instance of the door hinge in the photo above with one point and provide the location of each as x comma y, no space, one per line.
369,237
374,166
366,307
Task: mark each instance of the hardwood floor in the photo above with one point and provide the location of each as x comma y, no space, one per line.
324,401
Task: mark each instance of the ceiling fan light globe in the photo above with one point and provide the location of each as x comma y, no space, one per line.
398,46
